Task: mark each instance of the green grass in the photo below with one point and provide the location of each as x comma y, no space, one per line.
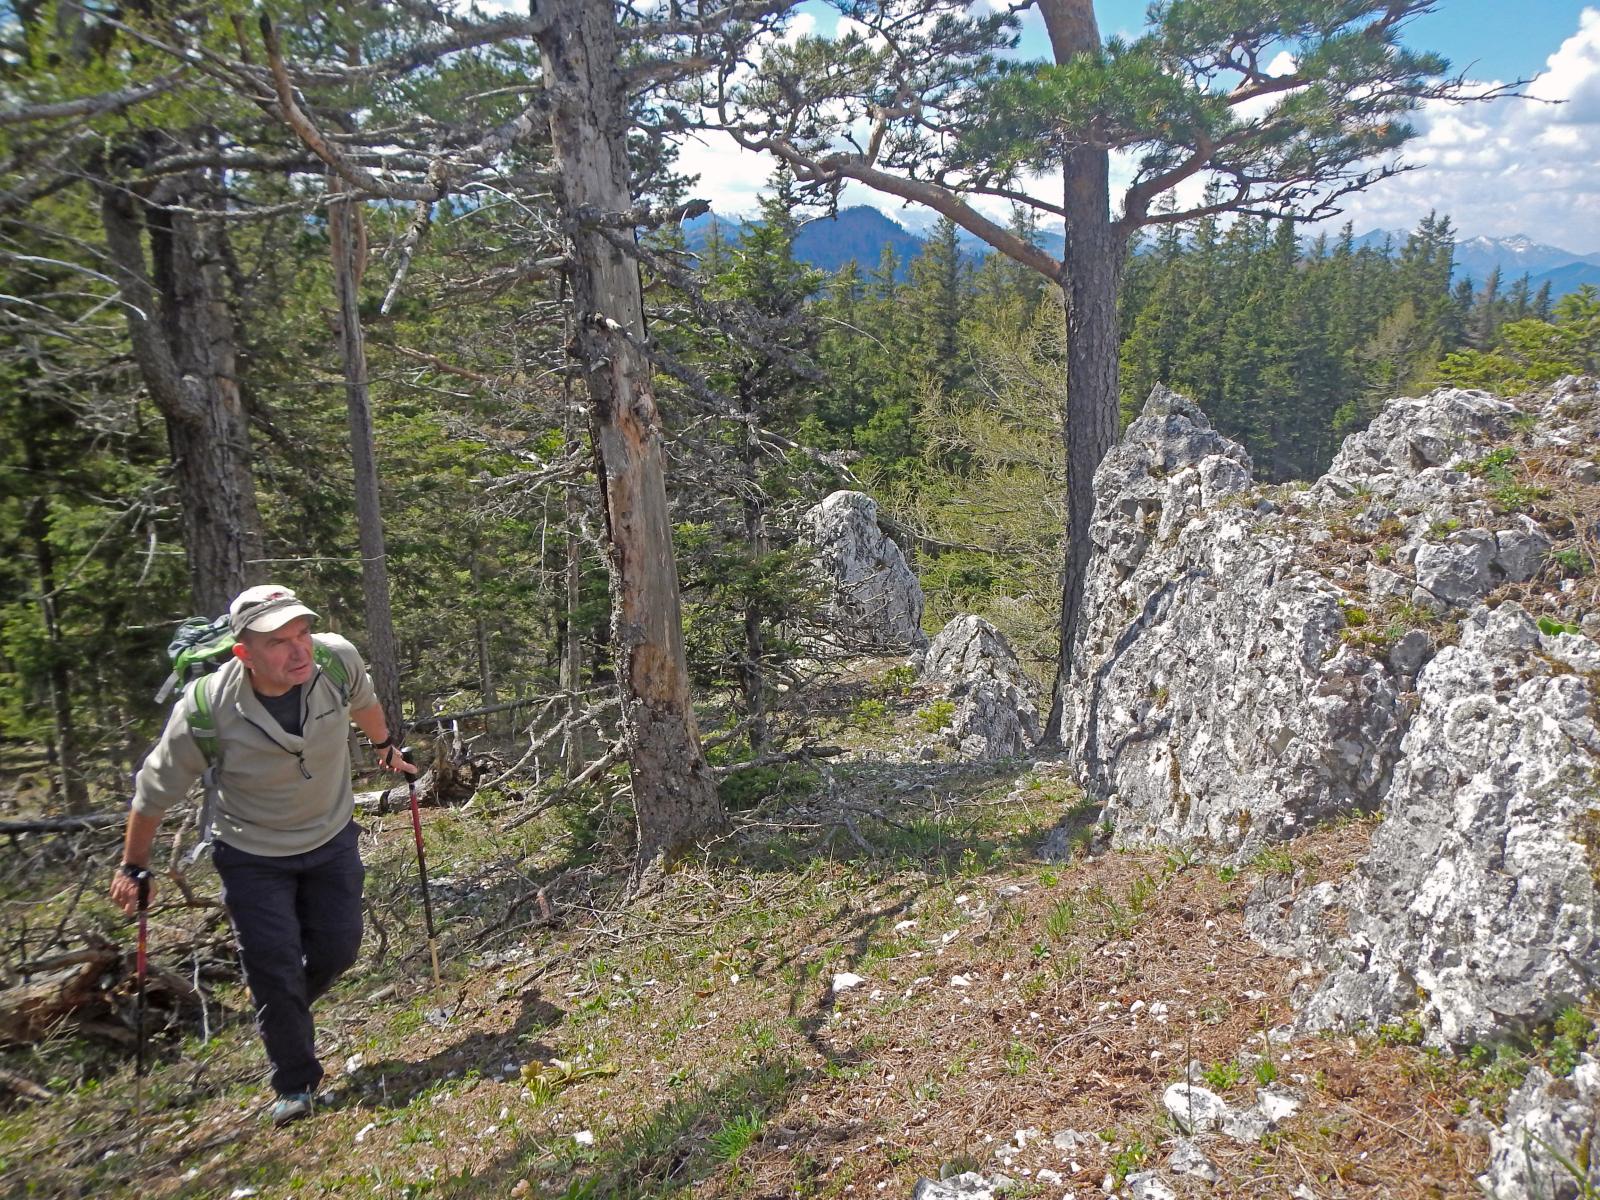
736,1135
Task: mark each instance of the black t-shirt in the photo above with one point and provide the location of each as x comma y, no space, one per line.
285,709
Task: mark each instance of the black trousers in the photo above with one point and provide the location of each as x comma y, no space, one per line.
298,919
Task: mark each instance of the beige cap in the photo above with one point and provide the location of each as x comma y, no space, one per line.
265,607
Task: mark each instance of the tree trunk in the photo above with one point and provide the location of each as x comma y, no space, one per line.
347,246
674,794
755,535
1093,257
572,635
64,750
183,341
480,632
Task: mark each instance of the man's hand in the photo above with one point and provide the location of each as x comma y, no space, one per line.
394,758
125,890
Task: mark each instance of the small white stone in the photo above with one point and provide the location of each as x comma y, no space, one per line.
583,1137
1275,1105
361,1134
845,980
960,981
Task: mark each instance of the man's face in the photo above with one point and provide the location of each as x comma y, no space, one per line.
279,660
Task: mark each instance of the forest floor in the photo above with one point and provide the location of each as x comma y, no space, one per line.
701,1041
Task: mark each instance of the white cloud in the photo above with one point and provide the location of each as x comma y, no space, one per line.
802,24
1510,166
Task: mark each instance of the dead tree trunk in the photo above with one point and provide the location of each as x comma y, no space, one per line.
755,535
674,793
348,248
183,341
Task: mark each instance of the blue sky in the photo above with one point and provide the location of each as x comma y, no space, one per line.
1496,169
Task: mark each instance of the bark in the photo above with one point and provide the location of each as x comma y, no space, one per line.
347,246
572,636
1093,260
64,749
183,342
755,534
480,631
674,793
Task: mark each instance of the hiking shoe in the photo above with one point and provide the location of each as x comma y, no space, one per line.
291,1108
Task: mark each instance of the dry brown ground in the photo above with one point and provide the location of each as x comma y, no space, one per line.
708,1054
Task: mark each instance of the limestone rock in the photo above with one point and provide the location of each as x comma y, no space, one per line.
876,602
1194,1109
1477,901
1189,1159
970,647
969,1185
1404,456
1213,702
1546,1118
1457,570
997,713
1148,1185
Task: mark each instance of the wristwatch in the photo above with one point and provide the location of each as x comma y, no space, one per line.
133,870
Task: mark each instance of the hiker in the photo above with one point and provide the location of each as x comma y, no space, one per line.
272,724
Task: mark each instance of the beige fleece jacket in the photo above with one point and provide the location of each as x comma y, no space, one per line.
280,794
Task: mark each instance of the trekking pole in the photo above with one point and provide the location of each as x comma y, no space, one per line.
422,868
140,961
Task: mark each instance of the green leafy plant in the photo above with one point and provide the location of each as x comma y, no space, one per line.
1018,1058
1128,1159
1551,627
1274,860
1408,1032
1574,1034
1266,1072
1571,560
1223,1075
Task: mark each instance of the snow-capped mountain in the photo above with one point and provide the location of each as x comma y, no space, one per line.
1516,256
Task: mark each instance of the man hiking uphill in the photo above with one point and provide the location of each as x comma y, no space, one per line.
273,723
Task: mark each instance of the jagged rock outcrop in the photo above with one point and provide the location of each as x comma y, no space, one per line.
1477,905
876,601
1546,1148
1213,701
997,714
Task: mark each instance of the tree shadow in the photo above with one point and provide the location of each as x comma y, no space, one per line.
394,1083
683,1142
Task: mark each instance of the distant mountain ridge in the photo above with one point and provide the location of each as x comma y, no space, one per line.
859,234
1516,256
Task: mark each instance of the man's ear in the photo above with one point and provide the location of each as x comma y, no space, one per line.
242,653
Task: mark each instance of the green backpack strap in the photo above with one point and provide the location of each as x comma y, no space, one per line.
202,725
333,667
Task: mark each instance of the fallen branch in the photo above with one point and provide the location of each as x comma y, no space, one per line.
77,824
21,1085
604,763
